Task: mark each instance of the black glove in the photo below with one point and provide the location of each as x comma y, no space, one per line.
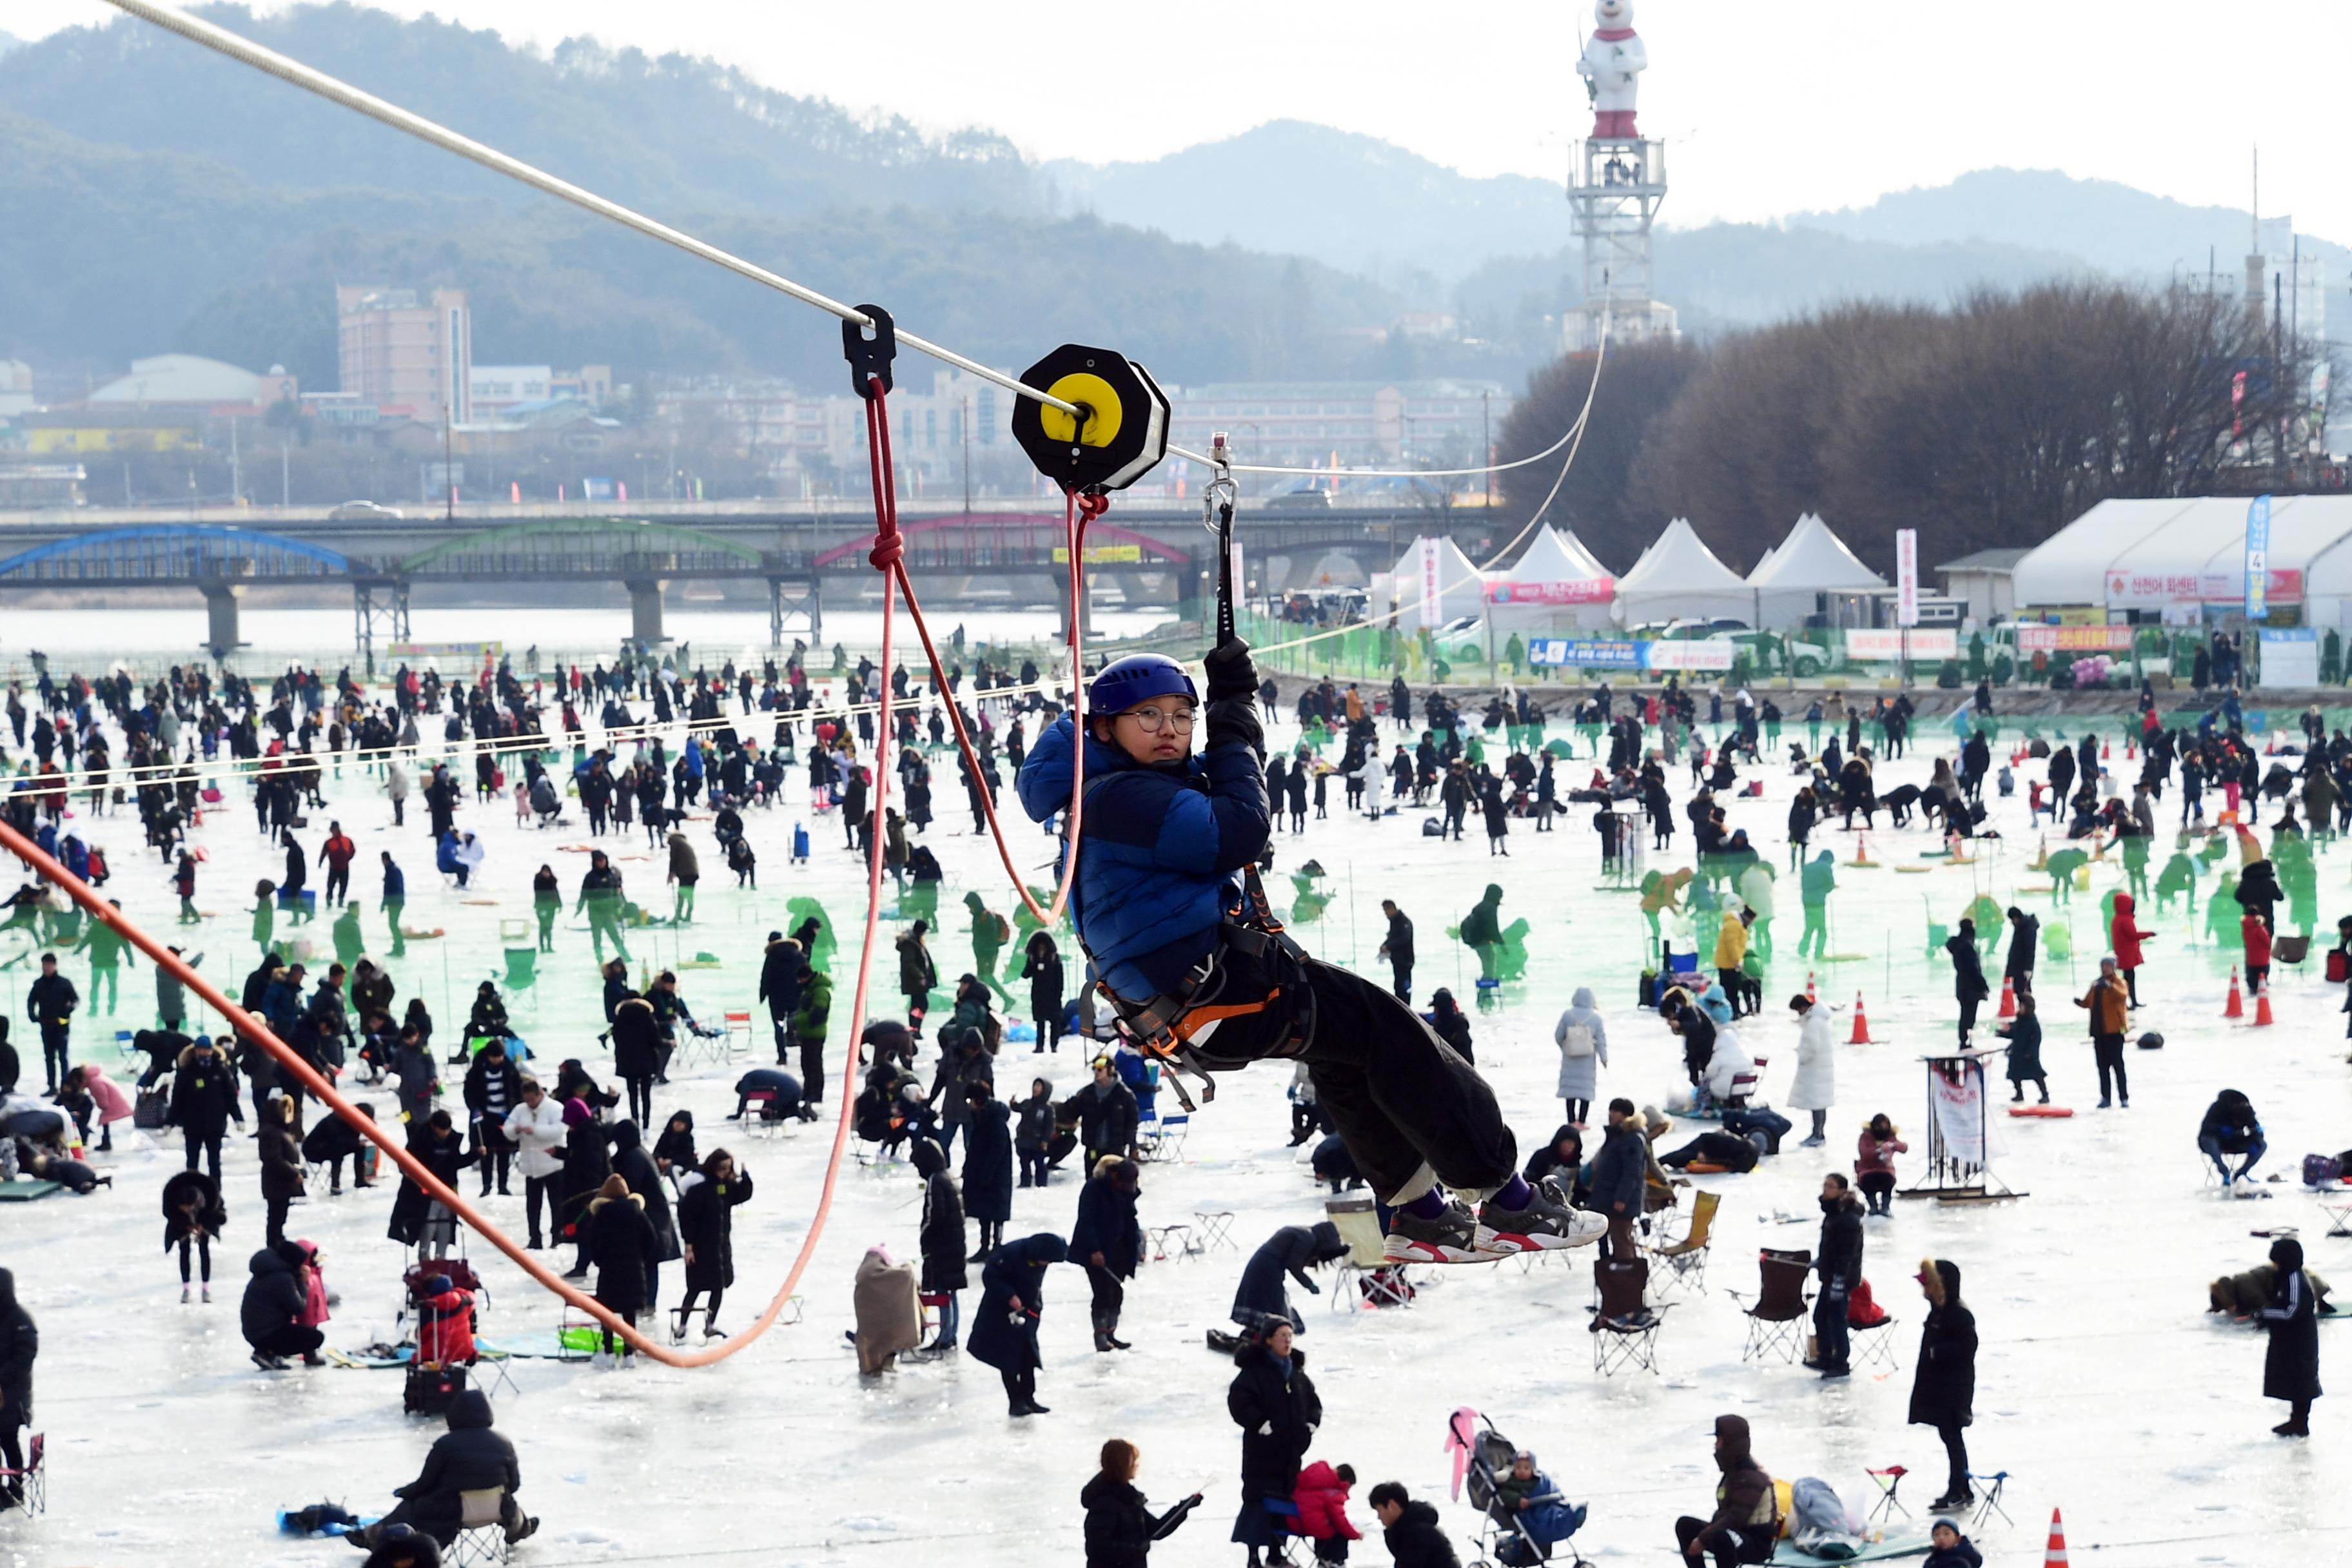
1234,719
1230,671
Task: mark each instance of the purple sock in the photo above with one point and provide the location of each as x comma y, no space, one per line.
1430,1204
1515,1194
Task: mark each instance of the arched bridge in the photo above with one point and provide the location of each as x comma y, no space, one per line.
218,561
993,542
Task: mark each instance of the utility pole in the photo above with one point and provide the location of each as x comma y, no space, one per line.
448,473
964,421
1486,444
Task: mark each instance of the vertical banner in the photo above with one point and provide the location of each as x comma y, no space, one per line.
1433,592
1956,1087
2258,558
1906,577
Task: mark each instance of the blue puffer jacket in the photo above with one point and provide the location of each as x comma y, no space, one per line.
1162,845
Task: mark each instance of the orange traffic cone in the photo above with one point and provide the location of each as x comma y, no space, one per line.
2237,1007
2041,857
2054,1554
2007,998
1810,994
1862,850
2262,1019
2270,748
1861,1036
2129,755
2106,750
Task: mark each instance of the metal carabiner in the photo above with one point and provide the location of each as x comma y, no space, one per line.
1218,499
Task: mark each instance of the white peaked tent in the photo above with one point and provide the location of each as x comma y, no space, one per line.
1792,578
1459,589
1554,558
1678,575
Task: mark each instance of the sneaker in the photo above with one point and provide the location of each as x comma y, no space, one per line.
269,1363
1815,1142
1454,1237
187,1292
1547,1225
205,1295
1829,1372
1953,1502
2104,1104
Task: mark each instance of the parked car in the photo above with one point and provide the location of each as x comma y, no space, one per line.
363,512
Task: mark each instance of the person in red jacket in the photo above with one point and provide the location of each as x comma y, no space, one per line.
337,852
445,1324
2258,951
2125,936
1322,1494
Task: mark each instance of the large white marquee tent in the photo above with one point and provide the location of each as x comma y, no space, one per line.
1791,580
2185,552
1678,577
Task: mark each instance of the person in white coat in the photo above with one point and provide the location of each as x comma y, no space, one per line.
1731,1071
1816,1086
1583,1042
536,1128
1374,776
1755,892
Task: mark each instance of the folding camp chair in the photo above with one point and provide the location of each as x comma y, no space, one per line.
1624,1325
1685,1256
737,1040
1989,1501
482,1529
1874,1344
1366,1277
1889,1481
1169,1241
1776,1323
33,1480
1162,1137
1216,1229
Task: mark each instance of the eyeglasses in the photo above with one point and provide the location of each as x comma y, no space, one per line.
1151,720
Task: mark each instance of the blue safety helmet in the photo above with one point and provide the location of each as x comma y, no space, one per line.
1138,677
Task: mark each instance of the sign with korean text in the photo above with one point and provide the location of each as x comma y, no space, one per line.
1906,577
1587,591
2258,558
1877,647
2074,640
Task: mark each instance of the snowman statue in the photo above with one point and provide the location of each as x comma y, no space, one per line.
1611,68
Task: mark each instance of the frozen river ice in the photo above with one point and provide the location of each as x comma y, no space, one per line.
2103,1387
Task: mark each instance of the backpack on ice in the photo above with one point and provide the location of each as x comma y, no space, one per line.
2322,1171
1432,828
1576,1040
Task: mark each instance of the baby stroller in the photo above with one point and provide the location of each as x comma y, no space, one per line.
1509,1536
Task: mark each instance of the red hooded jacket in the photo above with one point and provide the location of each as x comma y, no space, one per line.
2125,936
1322,1500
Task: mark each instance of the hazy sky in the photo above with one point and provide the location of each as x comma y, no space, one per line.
1772,109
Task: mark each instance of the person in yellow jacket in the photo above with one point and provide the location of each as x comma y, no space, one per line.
1730,955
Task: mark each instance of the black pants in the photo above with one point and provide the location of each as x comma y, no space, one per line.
12,1455
1743,1544
812,1072
276,1229
1404,980
2131,985
1956,1456
1969,1016
1033,1168
204,1247
1399,1096
2109,1051
1577,1109
1019,1387
1878,1190
1049,1030
496,1163
1110,1296
782,1026
206,1145
1833,1343
537,1190
54,1044
640,1087
992,1233
339,884
291,1339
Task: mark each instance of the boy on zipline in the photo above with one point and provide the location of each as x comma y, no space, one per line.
1198,974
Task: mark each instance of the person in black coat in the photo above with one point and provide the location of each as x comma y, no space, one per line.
1398,948
2024,933
1273,1401
1562,1157
20,1343
1012,1301
281,1167
636,1053
1619,1177
940,1239
417,1216
634,1166
1409,1529
1967,976
493,1089
706,1201
1041,966
2259,893
1119,1528
1839,1264
622,1242
1109,1239
2291,1365
469,1456
987,1166
783,972
1445,1016
1944,1389
194,1216
331,1140
271,1312
203,1103
1288,1253
1105,1113
587,1160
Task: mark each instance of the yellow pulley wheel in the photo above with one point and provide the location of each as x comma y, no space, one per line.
1091,393
1124,431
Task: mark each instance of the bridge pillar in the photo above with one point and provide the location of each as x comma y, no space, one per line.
646,611
220,617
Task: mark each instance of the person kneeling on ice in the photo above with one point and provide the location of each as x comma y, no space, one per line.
467,1458
1198,971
